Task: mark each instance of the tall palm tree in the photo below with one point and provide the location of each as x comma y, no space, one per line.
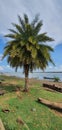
26,46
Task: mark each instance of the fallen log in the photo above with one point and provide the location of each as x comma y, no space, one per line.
53,86
52,105
1,125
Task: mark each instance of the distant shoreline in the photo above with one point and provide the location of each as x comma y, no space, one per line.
36,72
36,75
49,72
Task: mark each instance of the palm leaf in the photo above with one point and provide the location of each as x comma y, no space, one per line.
18,27
38,27
44,38
35,20
26,19
21,21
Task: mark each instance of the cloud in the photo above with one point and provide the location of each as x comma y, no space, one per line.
54,68
50,12
60,68
8,66
1,68
1,57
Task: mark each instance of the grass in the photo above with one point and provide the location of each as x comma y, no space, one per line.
21,105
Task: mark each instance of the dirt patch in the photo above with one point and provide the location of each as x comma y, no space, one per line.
20,121
5,110
2,92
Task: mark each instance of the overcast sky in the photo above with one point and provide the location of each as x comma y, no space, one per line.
50,12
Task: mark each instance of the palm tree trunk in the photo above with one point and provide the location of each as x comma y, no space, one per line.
26,83
26,67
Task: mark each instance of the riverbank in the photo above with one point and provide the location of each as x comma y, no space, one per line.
38,75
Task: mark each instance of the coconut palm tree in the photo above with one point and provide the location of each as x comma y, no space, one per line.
26,47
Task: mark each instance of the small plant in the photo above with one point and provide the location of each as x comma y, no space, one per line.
56,79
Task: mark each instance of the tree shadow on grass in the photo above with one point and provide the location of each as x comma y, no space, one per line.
7,87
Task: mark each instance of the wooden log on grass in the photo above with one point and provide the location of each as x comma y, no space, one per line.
53,87
1,125
53,105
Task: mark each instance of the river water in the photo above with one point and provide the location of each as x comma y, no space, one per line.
38,75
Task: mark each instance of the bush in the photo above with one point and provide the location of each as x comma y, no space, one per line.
56,79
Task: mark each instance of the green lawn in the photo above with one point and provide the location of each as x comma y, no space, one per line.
25,106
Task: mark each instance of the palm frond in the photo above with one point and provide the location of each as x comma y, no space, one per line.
44,38
10,36
35,20
37,28
13,31
26,19
18,27
21,21
43,47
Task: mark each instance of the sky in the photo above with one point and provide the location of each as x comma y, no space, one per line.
50,13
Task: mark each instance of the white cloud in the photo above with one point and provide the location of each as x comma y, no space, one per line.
60,68
54,68
1,68
1,57
8,66
50,12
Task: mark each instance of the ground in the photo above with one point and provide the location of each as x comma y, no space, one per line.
23,107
